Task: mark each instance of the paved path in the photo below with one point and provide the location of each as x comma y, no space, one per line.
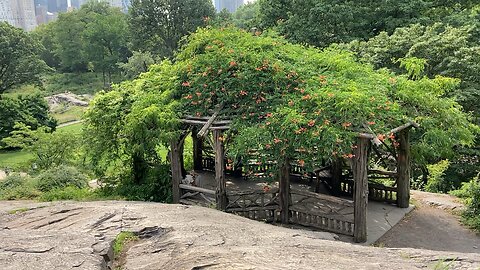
69,123
432,226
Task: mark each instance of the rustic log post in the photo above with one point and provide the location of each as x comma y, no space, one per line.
284,190
221,190
197,151
175,163
360,178
403,169
337,176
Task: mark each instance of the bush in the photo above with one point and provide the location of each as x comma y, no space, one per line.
157,186
61,177
470,192
67,193
436,180
17,187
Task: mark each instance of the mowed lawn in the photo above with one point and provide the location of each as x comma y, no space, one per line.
15,159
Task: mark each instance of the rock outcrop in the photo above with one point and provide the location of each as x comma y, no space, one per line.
73,235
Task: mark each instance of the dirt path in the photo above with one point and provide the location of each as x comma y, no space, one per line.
432,226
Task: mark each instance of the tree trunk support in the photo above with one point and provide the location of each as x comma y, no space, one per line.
221,190
360,178
284,190
176,167
337,176
403,169
197,151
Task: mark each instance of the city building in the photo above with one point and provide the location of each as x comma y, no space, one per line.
19,13
230,5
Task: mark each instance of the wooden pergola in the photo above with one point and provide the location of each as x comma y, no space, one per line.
359,167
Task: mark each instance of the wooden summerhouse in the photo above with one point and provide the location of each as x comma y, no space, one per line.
292,206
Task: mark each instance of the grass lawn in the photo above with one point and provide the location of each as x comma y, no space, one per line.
73,129
14,159
68,114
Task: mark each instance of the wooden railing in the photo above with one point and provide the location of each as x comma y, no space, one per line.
188,191
376,192
332,220
255,204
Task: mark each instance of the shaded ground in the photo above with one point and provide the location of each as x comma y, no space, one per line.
432,226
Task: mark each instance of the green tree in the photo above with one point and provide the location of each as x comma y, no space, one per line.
19,60
137,63
31,111
246,16
447,50
45,33
158,25
287,103
323,22
69,44
106,35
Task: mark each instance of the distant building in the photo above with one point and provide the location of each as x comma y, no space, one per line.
19,13
230,5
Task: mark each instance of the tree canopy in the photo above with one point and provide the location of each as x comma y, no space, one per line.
158,25
19,60
285,100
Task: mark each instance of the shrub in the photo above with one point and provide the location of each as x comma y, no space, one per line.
17,187
436,180
157,186
471,216
61,177
67,193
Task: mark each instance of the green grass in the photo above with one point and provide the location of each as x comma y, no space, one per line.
14,159
20,159
23,90
77,83
121,240
73,129
19,210
65,114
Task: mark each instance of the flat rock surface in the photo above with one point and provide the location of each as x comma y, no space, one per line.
74,235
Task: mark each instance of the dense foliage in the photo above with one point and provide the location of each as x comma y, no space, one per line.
29,111
321,23
158,25
286,101
92,38
19,58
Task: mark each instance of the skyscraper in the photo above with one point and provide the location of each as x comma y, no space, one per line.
19,13
230,5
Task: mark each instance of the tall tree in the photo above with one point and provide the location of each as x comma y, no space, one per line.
158,25
69,43
19,60
106,35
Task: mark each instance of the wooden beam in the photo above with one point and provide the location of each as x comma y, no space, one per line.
175,165
403,169
360,178
197,189
284,190
405,126
201,122
205,128
221,190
